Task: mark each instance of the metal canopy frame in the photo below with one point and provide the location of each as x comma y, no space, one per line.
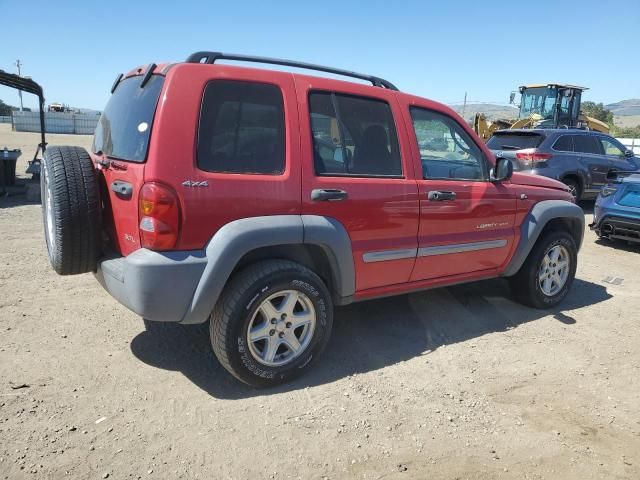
211,57
27,85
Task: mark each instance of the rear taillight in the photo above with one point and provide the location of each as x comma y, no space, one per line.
532,159
159,214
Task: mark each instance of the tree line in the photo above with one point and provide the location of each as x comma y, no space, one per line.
600,112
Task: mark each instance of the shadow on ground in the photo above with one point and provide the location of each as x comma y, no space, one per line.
366,336
619,245
16,195
587,205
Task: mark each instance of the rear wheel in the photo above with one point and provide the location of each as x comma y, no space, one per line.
272,321
70,210
547,275
574,188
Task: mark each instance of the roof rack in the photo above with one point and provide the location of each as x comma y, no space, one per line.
211,57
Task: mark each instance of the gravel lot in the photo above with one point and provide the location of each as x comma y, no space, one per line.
452,383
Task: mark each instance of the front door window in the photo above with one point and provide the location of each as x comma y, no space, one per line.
446,151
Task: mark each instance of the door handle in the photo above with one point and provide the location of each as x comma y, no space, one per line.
328,195
441,196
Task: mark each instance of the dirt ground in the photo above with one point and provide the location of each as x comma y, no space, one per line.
456,383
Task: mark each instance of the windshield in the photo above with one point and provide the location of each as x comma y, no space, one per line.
540,101
125,125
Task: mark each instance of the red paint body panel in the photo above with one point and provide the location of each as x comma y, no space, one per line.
520,178
415,286
121,214
379,213
482,211
172,156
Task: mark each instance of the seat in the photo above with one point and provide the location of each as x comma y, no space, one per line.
371,155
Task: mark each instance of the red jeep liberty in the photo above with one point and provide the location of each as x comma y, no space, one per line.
260,199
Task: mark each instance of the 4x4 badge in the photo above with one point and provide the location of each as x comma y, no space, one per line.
191,183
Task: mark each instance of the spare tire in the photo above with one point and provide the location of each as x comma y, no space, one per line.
71,210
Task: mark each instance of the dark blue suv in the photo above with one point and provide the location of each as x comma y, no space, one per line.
581,159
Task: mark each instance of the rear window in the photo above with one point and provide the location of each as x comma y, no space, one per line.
564,144
125,125
587,144
514,141
241,128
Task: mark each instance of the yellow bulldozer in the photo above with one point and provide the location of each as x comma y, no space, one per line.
552,105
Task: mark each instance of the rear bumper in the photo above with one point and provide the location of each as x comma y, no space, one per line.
157,286
618,228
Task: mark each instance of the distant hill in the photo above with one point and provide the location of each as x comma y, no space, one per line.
625,107
491,110
626,121
626,112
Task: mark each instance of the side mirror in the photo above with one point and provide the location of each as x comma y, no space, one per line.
512,97
503,170
628,153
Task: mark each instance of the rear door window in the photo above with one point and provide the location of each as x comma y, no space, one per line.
587,144
241,128
125,125
353,136
514,141
564,144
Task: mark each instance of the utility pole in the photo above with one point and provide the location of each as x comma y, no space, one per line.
19,64
464,105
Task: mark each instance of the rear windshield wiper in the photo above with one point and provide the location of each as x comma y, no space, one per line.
510,147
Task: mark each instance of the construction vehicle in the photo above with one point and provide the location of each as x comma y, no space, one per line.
552,105
58,107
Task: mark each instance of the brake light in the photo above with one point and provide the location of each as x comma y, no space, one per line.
159,214
530,158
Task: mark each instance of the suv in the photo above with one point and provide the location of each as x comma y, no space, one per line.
261,199
581,159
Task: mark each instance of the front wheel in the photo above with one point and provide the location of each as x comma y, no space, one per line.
546,276
272,320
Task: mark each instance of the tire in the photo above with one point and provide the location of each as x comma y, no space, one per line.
246,297
70,210
575,188
527,286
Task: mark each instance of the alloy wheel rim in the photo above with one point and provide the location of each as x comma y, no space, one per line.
554,270
281,328
573,191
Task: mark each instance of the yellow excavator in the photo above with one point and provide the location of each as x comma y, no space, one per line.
551,105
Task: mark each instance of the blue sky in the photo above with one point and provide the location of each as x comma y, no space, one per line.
437,49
